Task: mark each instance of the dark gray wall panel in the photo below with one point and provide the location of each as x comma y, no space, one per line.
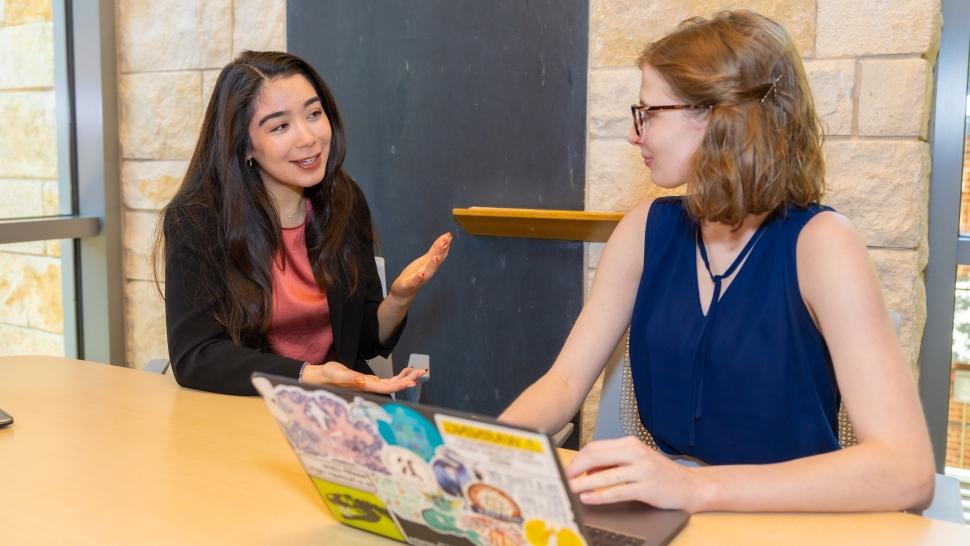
457,103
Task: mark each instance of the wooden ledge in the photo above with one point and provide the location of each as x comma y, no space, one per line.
565,225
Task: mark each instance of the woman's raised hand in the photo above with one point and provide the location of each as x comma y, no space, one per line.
418,272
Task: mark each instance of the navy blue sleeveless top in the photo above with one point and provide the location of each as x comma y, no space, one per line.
752,381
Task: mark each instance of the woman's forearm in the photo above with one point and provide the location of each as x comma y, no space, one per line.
390,313
866,477
548,404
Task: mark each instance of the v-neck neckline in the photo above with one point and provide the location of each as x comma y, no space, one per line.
733,271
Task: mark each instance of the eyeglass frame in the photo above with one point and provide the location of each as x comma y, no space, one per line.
638,111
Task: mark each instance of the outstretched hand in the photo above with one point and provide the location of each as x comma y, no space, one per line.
418,272
335,373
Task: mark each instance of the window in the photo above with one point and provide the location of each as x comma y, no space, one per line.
945,352
60,264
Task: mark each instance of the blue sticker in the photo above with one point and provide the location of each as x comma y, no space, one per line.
451,473
410,430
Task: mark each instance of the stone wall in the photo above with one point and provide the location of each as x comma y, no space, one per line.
871,68
169,54
31,317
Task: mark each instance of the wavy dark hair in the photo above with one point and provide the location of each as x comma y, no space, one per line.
223,218
763,145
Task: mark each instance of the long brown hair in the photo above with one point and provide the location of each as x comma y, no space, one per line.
223,219
763,145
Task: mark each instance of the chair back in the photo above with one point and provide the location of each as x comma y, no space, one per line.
383,367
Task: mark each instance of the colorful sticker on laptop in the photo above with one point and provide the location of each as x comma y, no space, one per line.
517,476
358,509
406,502
409,467
491,532
539,533
321,424
337,471
452,474
493,502
409,429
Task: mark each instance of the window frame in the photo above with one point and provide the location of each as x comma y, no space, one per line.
86,104
947,248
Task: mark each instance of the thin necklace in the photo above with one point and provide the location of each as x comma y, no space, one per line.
299,209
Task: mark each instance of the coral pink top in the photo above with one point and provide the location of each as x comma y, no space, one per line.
299,325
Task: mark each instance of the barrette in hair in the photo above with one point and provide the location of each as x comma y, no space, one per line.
771,90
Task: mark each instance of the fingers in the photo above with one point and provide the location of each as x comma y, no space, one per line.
404,380
420,271
412,374
435,256
605,453
441,245
616,493
600,479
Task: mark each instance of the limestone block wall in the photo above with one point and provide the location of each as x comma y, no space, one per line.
31,317
169,55
870,64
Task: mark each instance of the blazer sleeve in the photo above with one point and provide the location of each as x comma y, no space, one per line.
202,354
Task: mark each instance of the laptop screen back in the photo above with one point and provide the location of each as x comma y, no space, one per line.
421,475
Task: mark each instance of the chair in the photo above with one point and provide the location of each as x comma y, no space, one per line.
158,365
618,416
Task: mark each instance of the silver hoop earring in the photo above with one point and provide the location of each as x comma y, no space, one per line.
250,163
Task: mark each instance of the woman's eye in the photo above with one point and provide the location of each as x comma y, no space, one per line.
279,128
314,115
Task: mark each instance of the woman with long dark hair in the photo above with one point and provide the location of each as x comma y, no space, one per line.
269,244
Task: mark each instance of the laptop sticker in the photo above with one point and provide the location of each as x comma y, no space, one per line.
409,467
493,502
329,434
492,532
538,533
519,480
451,473
409,429
358,509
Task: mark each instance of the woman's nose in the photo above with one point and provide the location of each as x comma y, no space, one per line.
304,136
632,137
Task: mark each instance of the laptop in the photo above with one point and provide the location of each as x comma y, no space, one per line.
429,476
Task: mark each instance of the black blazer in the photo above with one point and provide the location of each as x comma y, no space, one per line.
204,357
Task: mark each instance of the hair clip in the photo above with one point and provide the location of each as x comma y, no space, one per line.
771,90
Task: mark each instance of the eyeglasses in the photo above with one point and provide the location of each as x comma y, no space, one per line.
640,112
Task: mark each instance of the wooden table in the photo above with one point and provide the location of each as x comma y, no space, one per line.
103,455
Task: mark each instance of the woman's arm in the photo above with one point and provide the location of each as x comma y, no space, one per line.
549,403
891,468
393,308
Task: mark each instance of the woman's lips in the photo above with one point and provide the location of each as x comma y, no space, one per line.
308,164
648,161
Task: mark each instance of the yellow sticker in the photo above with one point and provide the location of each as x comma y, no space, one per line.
566,537
495,437
537,533
358,509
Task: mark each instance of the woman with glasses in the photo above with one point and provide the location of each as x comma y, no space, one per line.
753,310
269,245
